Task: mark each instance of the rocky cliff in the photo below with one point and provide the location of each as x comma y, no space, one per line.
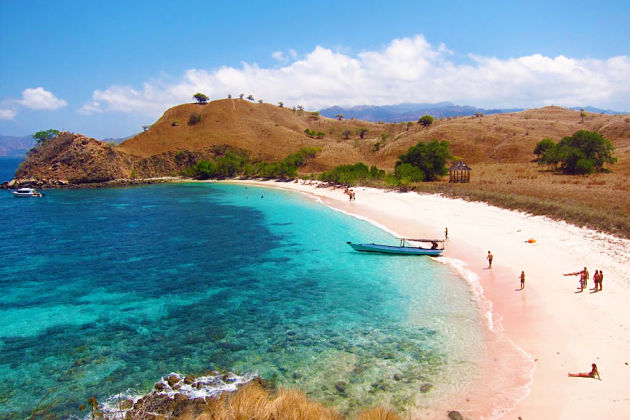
74,160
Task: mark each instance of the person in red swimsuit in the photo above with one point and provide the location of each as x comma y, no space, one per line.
592,374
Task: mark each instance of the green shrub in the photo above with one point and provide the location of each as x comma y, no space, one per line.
194,118
358,173
430,158
583,152
409,172
232,164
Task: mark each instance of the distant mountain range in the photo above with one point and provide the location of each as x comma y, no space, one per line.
18,146
15,146
411,111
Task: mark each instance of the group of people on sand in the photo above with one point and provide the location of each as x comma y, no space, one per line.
350,193
598,278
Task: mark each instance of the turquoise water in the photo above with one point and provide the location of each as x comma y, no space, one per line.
105,291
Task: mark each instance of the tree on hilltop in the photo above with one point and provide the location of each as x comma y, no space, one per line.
200,98
42,136
339,117
362,132
425,120
251,98
280,104
346,134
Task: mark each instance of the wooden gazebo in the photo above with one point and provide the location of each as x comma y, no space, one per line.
459,172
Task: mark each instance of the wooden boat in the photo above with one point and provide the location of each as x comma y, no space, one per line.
405,248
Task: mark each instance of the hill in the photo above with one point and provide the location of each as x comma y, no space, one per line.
498,147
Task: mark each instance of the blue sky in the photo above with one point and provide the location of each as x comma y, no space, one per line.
106,68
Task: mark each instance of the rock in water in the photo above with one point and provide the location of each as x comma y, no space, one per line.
424,388
340,386
455,415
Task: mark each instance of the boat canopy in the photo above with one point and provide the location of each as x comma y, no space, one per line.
422,240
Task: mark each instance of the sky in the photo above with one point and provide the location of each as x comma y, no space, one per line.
105,69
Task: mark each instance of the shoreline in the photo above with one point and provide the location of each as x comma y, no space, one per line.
555,329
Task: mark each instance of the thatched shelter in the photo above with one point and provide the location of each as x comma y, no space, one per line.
459,172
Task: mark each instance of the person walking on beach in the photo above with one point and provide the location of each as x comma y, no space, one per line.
592,374
489,258
601,278
522,280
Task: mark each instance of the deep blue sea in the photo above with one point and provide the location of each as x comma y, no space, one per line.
106,291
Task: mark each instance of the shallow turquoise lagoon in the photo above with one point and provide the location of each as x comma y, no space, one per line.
105,291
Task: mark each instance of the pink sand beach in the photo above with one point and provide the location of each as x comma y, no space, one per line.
536,335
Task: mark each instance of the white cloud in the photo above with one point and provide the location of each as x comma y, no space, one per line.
7,114
406,70
40,98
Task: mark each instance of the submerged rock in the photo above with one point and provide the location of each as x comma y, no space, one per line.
424,388
340,386
455,415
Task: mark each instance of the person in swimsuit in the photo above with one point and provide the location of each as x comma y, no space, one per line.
489,258
594,373
522,280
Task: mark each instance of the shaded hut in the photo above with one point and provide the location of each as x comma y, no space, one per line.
459,172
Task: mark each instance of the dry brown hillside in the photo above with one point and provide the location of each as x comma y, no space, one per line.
271,133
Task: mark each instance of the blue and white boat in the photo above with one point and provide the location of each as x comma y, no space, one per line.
405,248
26,192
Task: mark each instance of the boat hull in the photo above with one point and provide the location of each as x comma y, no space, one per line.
396,250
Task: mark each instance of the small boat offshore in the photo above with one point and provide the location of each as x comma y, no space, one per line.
26,192
406,247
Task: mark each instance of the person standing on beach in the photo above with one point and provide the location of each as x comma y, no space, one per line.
489,258
585,278
596,280
601,278
522,280
446,233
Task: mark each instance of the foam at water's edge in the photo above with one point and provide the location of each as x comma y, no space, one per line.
520,392
201,387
